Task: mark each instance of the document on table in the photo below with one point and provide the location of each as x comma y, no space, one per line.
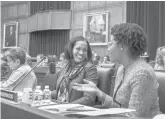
109,111
42,103
67,108
77,109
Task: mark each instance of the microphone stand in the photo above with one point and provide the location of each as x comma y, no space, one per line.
29,72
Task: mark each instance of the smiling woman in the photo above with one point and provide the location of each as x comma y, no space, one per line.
80,51
78,66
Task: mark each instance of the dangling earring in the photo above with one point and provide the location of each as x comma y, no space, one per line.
121,48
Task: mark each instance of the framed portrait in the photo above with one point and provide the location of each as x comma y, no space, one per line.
10,37
95,28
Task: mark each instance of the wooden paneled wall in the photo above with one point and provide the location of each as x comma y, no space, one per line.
49,20
16,11
19,11
117,11
41,6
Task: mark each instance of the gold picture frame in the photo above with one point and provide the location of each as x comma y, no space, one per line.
95,28
10,37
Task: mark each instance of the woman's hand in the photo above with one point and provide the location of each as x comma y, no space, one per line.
87,87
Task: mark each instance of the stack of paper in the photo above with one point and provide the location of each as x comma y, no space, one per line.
61,108
109,111
42,103
77,109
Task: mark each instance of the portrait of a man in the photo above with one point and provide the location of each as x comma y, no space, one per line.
96,28
10,34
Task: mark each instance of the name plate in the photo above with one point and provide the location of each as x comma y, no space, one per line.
9,95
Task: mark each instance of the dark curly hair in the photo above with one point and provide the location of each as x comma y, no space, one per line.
69,48
131,35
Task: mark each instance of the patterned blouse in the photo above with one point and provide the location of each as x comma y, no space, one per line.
160,59
75,73
136,89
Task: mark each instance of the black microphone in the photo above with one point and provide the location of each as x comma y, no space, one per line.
29,72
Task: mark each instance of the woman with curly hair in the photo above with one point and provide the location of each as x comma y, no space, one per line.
136,86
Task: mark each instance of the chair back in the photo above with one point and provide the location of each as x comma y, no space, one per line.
152,63
161,90
107,65
5,72
49,79
40,74
105,76
45,78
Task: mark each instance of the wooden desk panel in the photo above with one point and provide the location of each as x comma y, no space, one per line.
22,111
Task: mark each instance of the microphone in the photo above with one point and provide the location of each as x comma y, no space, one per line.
29,72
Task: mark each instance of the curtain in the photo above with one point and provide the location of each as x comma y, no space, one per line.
49,42
151,16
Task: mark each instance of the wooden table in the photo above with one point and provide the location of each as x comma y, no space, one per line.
22,111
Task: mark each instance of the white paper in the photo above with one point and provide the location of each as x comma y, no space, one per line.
42,103
64,108
105,111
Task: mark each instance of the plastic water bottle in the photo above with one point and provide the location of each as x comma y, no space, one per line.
20,95
38,96
47,94
27,96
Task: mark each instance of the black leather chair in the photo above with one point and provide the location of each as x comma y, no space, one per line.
5,72
161,90
41,72
49,79
45,78
105,82
152,63
105,79
107,65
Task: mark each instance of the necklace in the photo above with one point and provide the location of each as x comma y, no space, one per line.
133,61
114,97
130,65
